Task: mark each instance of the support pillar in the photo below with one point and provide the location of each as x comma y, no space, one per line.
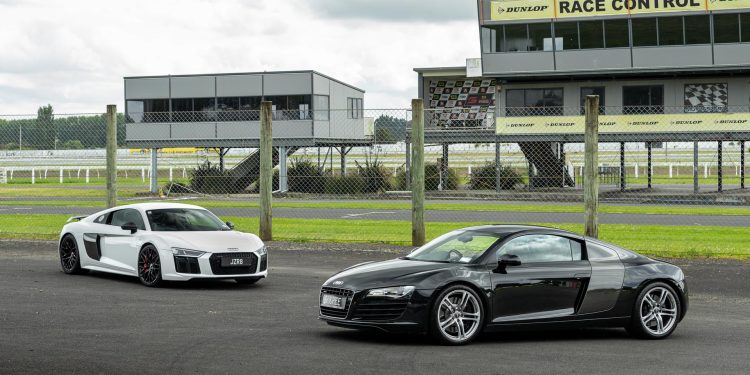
623,184
221,159
742,164
283,175
498,180
154,171
650,165
444,167
407,166
562,163
696,186
721,166
343,151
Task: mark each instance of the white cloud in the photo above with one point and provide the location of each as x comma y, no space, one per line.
73,54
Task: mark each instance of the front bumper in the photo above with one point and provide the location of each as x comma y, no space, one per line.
208,266
410,315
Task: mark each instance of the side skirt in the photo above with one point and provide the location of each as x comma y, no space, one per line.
559,324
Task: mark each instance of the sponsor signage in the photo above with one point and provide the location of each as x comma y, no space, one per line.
510,10
674,123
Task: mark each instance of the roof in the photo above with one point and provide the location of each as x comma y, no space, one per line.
516,228
250,73
158,206
442,71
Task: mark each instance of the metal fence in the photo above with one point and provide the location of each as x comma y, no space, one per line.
354,164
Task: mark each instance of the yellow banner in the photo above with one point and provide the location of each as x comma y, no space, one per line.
675,123
728,4
510,10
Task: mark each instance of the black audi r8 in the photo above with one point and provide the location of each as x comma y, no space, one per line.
500,277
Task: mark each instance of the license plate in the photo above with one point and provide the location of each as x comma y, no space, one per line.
234,262
332,301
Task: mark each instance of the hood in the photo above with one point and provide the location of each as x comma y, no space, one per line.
212,242
394,272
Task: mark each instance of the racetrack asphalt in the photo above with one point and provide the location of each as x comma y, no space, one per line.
98,323
433,216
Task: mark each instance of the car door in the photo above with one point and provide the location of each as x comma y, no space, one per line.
548,282
119,247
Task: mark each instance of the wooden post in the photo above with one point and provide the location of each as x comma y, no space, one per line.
591,162
742,164
417,173
650,166
111,155
266,171
696,186
721,167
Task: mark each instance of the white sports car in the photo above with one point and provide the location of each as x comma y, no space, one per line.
161,241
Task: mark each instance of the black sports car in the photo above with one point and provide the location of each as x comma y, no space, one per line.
499,277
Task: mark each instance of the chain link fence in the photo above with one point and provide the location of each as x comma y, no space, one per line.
354,164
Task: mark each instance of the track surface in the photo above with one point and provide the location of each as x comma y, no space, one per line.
435,216
97,323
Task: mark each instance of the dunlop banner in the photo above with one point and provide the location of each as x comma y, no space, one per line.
508,10
675,123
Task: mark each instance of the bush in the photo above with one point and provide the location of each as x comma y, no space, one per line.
73,144
176,188
375,176
344,184
483,178
304,176
209,179
431,178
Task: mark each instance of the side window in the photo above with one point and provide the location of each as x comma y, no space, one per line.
122,217
101,219
598,252
542,248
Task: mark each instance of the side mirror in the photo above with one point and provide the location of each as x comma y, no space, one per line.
508,260
230,225
131,227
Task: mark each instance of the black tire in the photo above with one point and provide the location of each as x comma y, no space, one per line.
149,266
248,280
471,313
70,257
655,318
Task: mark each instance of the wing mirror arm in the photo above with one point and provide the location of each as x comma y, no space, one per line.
131,227
505,261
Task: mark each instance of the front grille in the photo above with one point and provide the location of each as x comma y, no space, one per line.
263,262
379,310
217,269
336,313
187,265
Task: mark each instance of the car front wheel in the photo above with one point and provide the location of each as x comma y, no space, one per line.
70,258
457,316
149,266
656,312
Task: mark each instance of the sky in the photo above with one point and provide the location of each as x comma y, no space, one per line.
73,54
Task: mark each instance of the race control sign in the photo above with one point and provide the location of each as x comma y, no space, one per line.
510,10
654,123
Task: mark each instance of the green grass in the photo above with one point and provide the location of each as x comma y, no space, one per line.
380,205
665,241
9,191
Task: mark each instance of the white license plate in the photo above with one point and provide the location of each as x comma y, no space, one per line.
332,301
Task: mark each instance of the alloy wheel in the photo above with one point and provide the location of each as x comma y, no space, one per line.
149,268
658,311
459,315
68,254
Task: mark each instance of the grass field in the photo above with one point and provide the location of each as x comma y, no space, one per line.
664,241
403,205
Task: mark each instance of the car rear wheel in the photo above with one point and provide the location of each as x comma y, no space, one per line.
656,312
149,266
247,280
70,258
457,316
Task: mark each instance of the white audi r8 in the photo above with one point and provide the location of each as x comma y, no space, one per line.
161,241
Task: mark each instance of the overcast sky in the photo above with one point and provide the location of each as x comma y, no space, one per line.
73,54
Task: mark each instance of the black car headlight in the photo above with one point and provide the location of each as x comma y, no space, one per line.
392,292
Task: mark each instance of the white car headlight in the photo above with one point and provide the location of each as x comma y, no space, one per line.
262,251
393,292
180,252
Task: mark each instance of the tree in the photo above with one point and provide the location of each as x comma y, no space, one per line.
390,129
45,127
73,144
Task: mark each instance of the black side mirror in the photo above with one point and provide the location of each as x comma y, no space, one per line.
507,260
131,227
230,225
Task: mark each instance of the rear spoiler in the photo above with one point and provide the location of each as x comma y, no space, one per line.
77,218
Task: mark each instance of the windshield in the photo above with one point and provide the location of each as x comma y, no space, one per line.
456,247
184,220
